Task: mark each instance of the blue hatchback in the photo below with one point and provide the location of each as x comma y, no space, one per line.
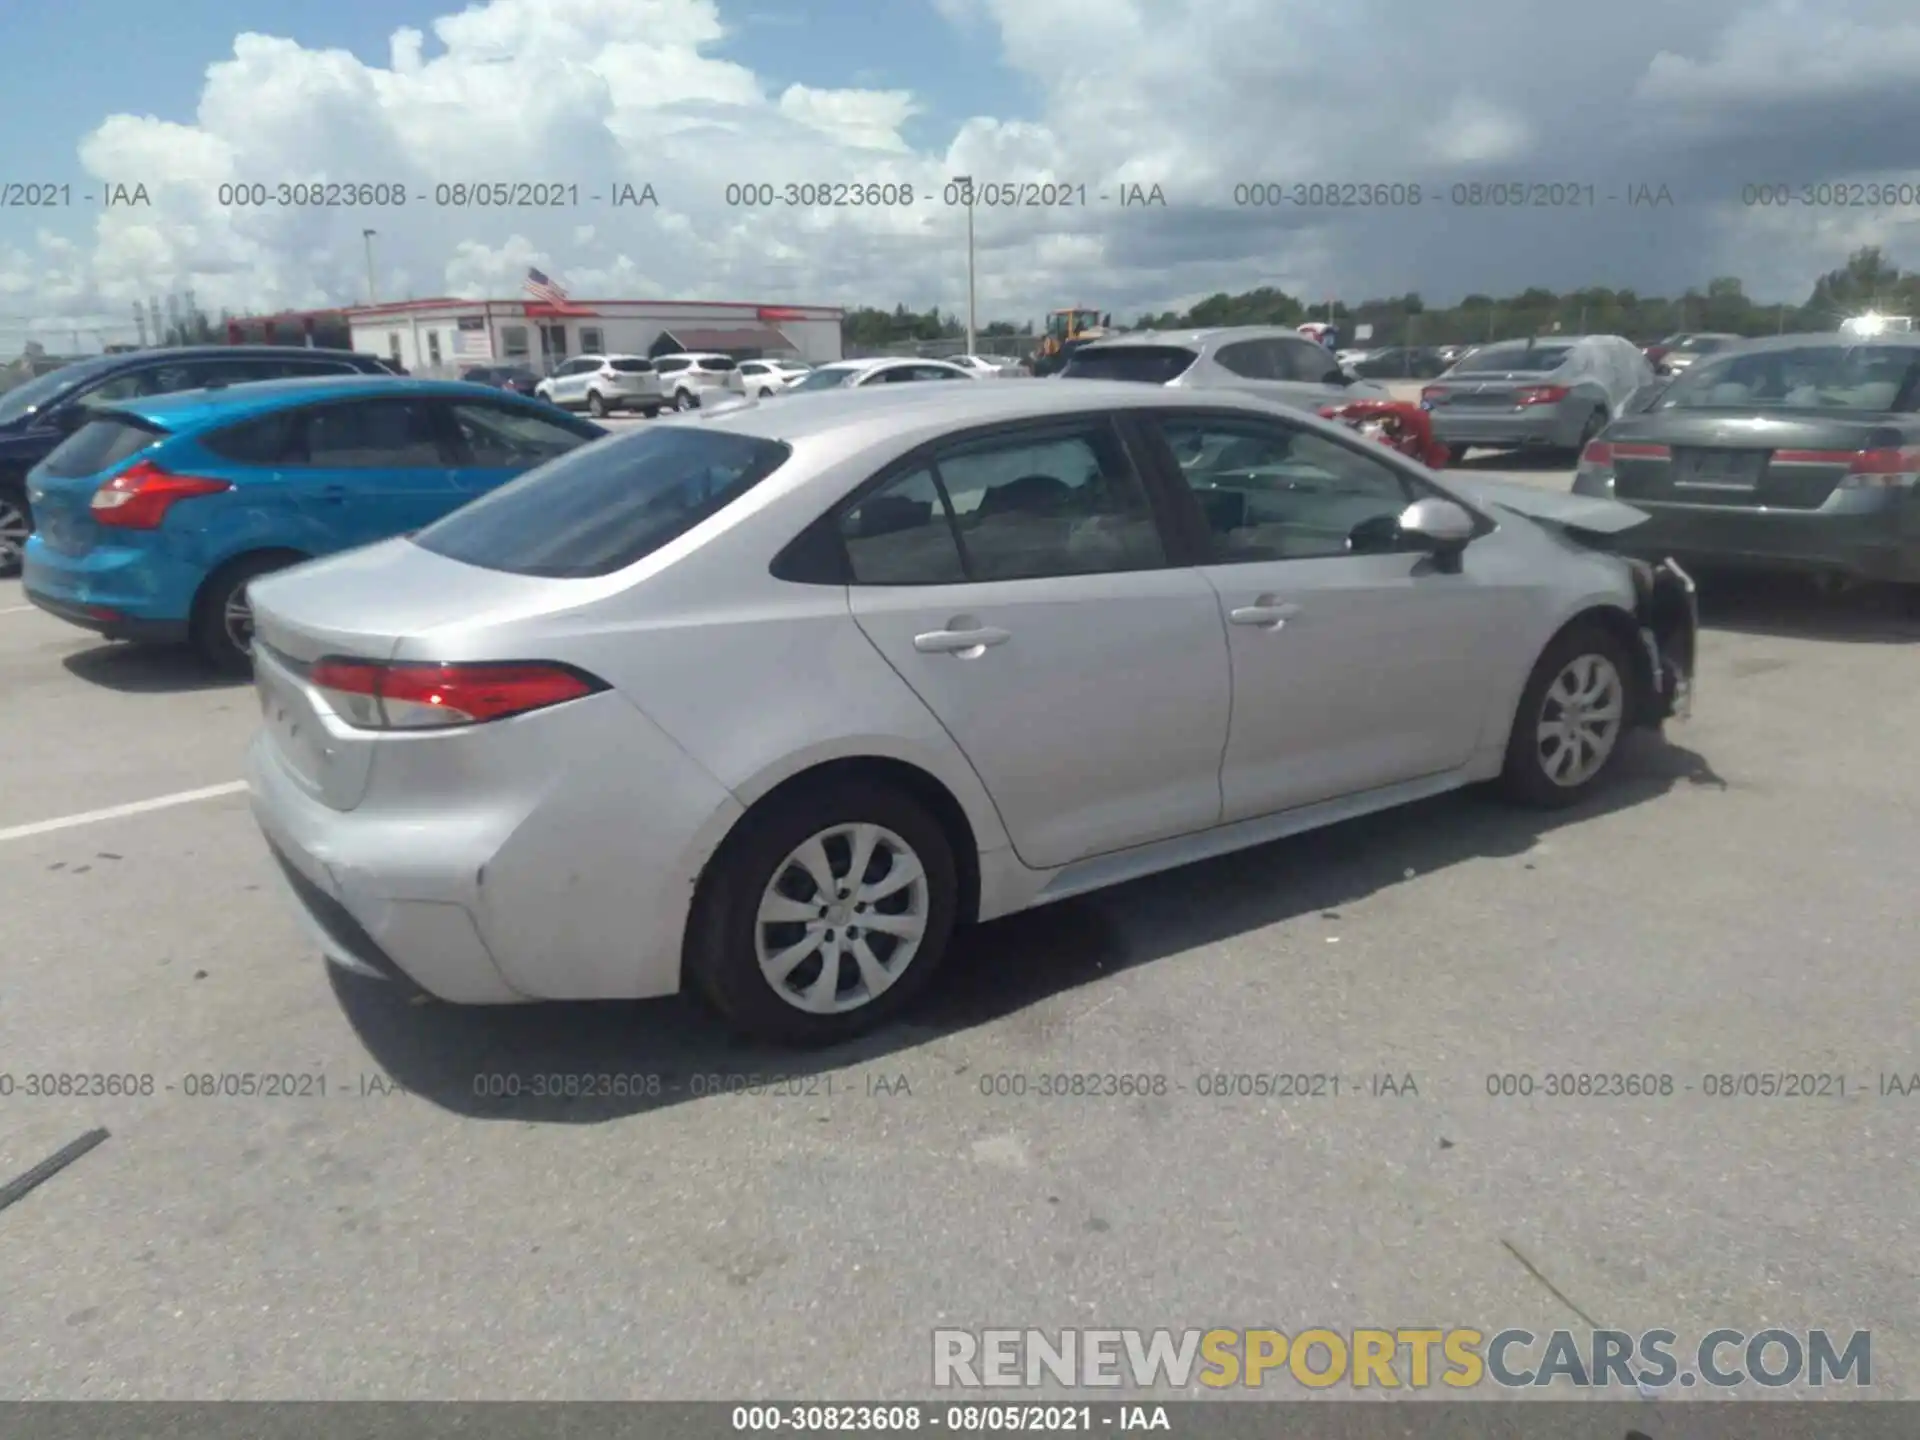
153,517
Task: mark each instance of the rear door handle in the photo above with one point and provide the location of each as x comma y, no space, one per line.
959,642
1266,612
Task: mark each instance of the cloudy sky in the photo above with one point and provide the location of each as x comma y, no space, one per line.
1689,106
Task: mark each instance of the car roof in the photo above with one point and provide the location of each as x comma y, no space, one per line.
1893,339
799,416
1198,338
94,365
190,409
693,355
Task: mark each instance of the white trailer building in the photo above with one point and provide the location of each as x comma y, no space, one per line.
446,336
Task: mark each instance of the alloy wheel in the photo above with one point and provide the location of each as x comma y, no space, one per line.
1580,720
841,918
15,527
236,619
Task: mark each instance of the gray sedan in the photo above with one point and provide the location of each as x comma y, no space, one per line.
1554,394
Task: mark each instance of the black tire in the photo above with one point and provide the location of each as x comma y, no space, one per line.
723,961
652,412
596,407
208,632
683,400
1527,779
1590,432
16,523
1457,453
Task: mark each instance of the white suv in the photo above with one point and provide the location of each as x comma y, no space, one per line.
761,378
601,384
686,379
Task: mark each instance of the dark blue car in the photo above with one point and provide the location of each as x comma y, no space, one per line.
153,517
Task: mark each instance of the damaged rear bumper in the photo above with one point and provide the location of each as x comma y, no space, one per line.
1668,608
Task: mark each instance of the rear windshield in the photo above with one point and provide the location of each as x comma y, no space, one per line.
1802,377
1148,364
605,506
1514,359
101,444
716,362
631,367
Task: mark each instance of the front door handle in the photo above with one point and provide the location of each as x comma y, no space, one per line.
1266,612
966,643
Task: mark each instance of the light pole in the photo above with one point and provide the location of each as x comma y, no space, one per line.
367,235
965,182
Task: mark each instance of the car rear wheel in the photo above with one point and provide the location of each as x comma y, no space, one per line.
1573,713
221,630
1457,453
825,915
683,400
1590,431
596,406
16,524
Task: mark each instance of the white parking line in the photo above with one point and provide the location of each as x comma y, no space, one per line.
17,609
115,812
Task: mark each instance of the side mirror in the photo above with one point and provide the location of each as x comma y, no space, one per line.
1439,526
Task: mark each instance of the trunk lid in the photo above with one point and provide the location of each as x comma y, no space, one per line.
1741,461
1499,389
61,488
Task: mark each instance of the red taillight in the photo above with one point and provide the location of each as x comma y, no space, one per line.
1882,470
1430,393
1598,455
1655,354
400,696
1542,395
139,498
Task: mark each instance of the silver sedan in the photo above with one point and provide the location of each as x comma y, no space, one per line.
767,701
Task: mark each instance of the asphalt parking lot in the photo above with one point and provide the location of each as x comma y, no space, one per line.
1742,902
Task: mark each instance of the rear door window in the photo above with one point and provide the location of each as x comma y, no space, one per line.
101,444
375,434
1147,364
1249,359
269,440
603,507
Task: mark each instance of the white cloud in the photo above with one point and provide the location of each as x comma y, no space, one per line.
1192,95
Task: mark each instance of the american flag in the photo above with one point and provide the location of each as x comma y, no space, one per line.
543,289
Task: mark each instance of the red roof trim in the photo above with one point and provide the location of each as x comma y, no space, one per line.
801,312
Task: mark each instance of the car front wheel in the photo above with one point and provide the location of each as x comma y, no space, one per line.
825,915
1572,716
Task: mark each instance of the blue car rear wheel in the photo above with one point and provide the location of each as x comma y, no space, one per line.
222,628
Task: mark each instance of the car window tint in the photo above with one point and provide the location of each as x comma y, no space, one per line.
1249,359
507,437
101,444
373,434
671,367
1143,364
901,535
1304,360
268,440
1063,503
1273,492
602,507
